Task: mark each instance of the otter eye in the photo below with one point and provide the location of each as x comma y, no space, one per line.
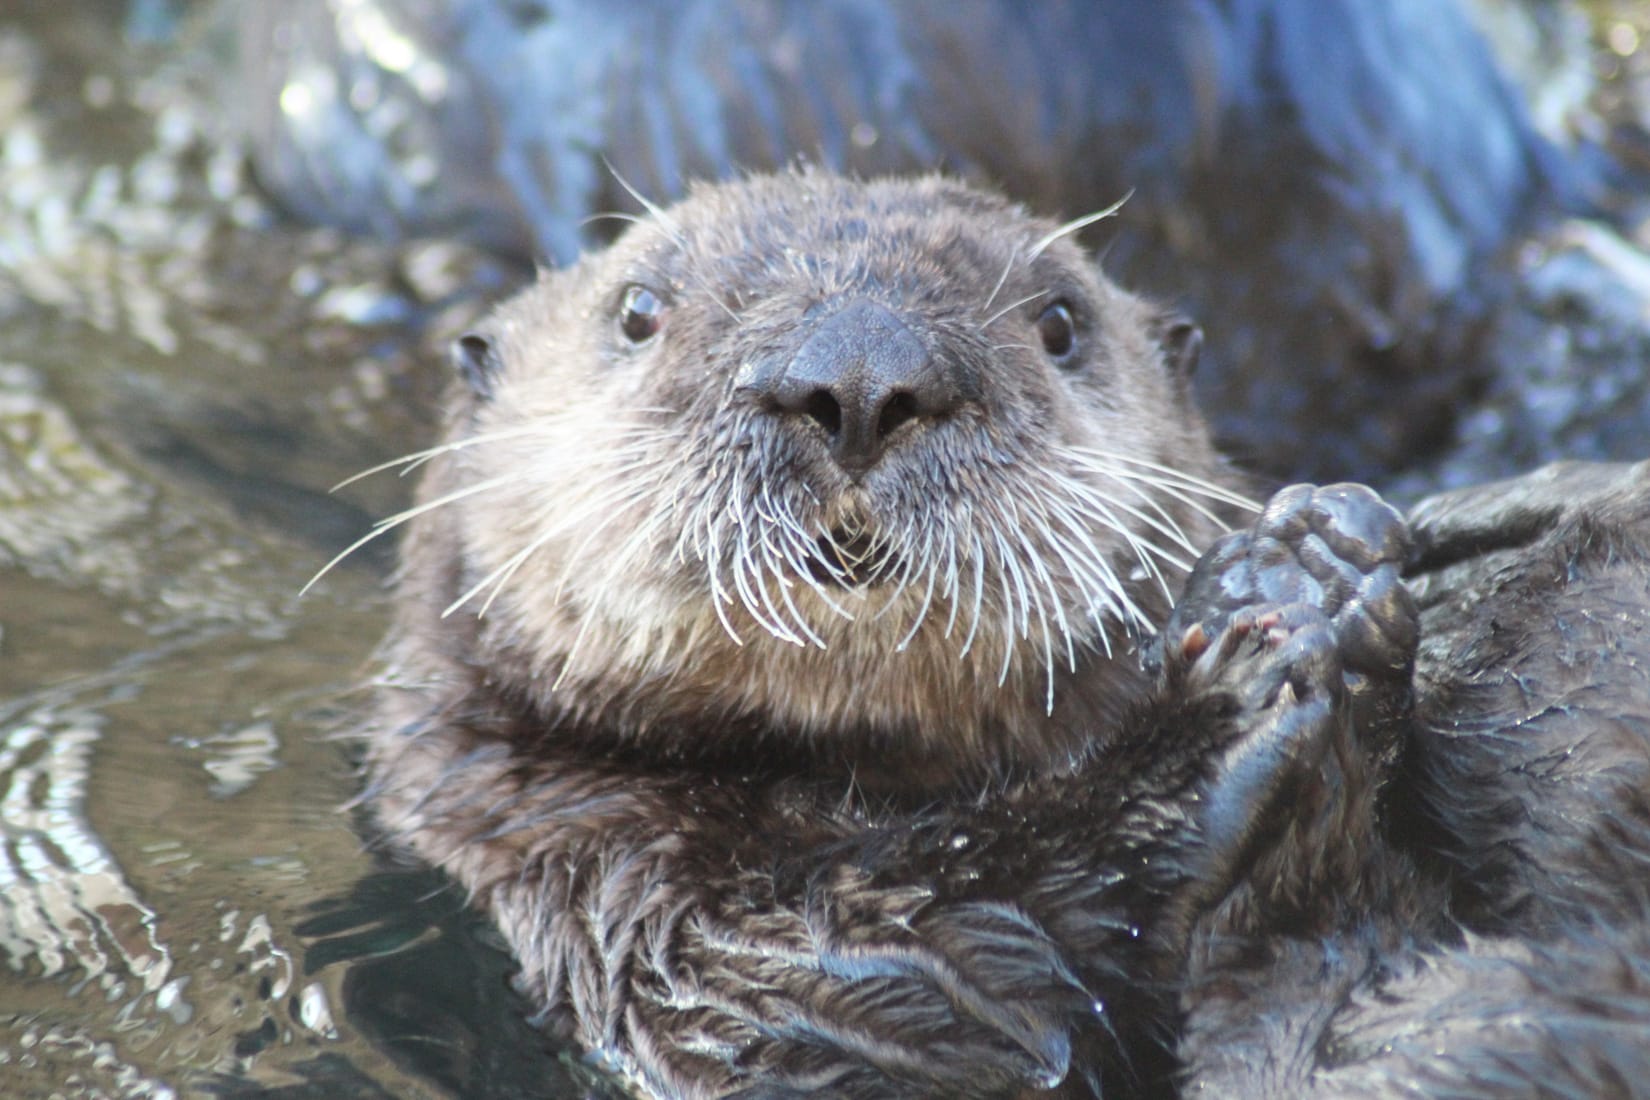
641,314
1057,330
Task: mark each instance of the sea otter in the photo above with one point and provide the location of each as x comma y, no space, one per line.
775,662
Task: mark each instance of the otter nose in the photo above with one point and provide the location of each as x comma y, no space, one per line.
859,375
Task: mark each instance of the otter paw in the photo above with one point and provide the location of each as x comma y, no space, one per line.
1280,666
1339,549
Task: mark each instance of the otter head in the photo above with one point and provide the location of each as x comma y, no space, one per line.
888,466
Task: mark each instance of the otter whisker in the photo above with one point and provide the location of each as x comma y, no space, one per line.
1038,560
645,534
1009,575
1153,497
605,504
1104,581
1076,224
1179,493
909,548
659,214
695,530
1163,523
1201,485
411,462
773,562
1033,555
952,591
1010,308
767,509
662,218
634,437
921,616
572,652
1171,529
500,576
1046,600
747,579
390,523
799,549
1098,507
979,594
611,216
622,490
1008,269
743,566
896,547
1012,569
794,545
796,557
741,583
720,598
1161,486
797,617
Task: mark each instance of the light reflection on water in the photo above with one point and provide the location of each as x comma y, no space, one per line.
186,909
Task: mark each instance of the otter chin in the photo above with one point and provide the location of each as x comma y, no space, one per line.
864,469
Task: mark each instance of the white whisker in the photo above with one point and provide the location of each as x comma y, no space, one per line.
674,230
1010,308
1008,268
927,594
979,594
411,462
1191,482
1076,224
385,526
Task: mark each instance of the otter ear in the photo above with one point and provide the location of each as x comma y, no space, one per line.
478,361
1182,343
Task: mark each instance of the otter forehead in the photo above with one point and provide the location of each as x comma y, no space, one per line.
930,242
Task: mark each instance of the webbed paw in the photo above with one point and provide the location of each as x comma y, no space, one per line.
1339,550
1302,637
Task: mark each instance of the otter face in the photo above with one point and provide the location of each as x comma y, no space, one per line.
873,455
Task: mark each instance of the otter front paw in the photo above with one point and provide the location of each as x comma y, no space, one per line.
1298,638
861,988
1278,670
1339,549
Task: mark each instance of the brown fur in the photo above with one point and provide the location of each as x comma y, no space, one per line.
621,633
745,844
660,796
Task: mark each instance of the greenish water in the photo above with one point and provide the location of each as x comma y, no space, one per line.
186,906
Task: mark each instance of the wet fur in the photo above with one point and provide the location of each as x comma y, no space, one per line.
885,865
1493,942
733,834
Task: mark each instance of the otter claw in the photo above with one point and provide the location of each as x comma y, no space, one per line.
1338,549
